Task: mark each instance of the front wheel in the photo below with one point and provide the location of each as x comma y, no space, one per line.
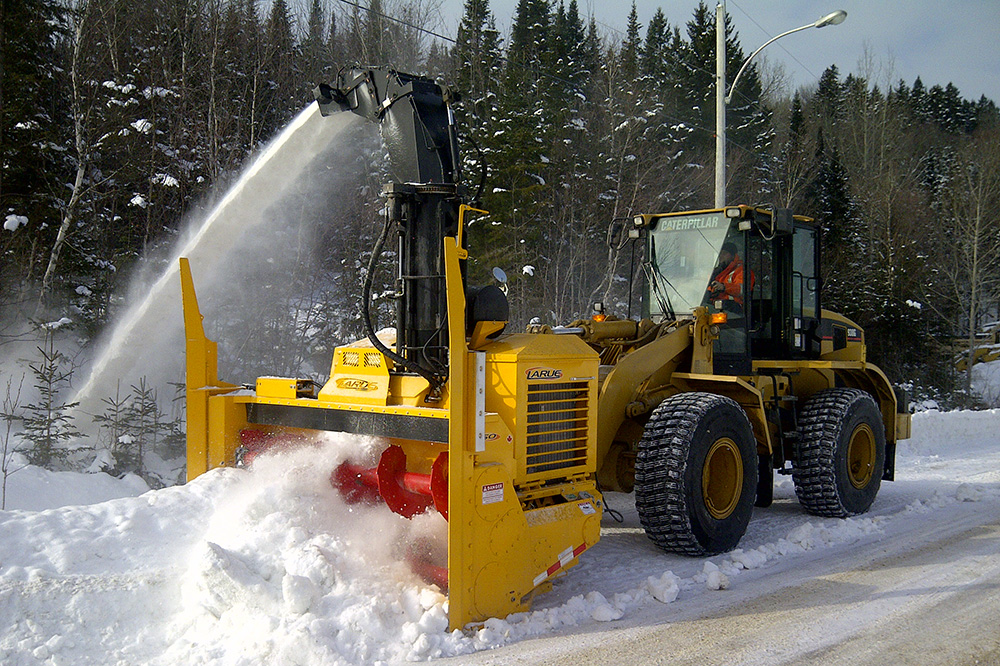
696,474
841,455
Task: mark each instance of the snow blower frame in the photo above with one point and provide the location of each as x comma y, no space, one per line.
499,436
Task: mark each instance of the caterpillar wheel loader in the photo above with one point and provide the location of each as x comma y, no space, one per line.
514,437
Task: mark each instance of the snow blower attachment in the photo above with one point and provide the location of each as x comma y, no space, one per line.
497,435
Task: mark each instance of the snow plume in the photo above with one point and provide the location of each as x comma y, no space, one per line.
276,204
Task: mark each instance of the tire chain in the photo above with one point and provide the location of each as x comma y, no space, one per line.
813,469
663,463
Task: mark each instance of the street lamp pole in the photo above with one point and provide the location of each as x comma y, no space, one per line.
722,99
720,104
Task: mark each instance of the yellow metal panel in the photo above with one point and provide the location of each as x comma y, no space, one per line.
312,403
202,380
648,367
902,426
360,376
461,511
226,417
277,387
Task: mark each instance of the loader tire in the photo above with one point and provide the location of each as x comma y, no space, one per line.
840,456
696,474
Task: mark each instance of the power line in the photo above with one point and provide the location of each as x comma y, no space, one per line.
781,46
400,21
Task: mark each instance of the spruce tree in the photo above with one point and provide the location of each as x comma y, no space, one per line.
32,135
631,47
48,422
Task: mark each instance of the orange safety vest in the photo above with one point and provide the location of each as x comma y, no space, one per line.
731,279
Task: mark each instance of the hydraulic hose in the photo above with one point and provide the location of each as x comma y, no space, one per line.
366,292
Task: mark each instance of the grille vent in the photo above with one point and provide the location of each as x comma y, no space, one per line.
557,426
354,359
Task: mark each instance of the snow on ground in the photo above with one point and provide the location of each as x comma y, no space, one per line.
32,488
986,382
270,566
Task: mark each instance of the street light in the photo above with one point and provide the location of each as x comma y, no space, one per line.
722,99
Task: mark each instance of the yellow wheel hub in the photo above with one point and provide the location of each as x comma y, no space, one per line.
722,478
861,456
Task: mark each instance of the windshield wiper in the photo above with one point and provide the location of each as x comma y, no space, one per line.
654,276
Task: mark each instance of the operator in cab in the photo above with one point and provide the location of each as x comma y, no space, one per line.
727,279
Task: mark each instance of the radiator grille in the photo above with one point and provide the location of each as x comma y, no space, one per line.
557,426
352,359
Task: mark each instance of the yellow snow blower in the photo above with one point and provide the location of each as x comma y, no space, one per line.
694,406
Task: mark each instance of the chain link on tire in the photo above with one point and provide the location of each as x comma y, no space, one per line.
696,474
840,456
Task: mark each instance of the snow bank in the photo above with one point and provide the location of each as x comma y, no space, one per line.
32,488
949,433
986,382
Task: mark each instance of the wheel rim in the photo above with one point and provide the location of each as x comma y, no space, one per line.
722,478
861,456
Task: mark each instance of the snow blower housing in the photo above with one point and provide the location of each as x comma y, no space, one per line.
734,372
497,435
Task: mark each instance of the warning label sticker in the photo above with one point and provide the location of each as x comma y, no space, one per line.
492,493
587,508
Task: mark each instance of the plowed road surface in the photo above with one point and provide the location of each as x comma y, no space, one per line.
922,588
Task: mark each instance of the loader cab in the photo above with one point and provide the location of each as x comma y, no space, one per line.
758,266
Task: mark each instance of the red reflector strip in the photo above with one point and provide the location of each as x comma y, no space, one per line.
565,558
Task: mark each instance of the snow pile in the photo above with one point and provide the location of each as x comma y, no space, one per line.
951,433
986,382
32,488
285,572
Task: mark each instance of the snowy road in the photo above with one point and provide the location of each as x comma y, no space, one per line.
918,578
925,593
270,567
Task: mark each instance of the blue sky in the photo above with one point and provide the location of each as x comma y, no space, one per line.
940,41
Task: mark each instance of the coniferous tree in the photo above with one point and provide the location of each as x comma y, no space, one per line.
48,421
32,39
630,50
747,118
315,57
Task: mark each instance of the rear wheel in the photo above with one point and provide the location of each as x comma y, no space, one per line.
841,454
696,474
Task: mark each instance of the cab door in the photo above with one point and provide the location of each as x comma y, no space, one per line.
803,334
785,300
